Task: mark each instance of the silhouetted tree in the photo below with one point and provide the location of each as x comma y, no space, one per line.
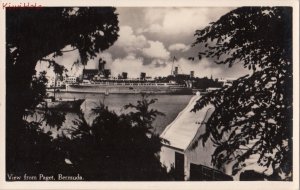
38,88
32,35
117,147
254,115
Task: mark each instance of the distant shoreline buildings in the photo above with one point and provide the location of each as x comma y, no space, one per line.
91,76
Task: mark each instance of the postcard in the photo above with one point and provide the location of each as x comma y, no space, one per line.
150,95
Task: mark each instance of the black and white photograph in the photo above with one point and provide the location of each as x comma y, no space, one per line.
149,93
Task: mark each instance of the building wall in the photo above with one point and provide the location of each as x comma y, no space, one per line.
167,156
71,80
200,155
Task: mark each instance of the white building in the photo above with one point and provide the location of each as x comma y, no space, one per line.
58,82
71,80
195,163
180,136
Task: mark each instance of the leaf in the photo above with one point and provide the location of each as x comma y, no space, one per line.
246,37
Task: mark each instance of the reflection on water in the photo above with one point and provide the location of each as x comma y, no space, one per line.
170,105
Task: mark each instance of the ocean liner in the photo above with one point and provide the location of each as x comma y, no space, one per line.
127,86
100,81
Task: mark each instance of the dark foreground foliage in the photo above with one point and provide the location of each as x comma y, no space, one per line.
33,35
113,148
254,115
117,147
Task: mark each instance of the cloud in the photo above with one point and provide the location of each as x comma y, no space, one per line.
168,24
148,37
166,32
154,28
67,60
182,21
129,41
201,68
130,64
138,44
133,65
156,50
179,47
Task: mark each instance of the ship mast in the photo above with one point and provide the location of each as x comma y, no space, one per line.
174,58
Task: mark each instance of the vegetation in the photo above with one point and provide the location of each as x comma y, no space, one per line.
116,147
254,115
112,148
33,34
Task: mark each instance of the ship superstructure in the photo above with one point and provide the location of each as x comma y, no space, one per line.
101,81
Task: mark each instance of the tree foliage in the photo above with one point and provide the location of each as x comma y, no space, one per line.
143,116
32,35
48,30
116,147
254,115
38,88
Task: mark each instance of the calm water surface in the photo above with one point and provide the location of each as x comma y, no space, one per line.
170,105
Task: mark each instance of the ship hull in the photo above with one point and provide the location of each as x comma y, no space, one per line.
65,105
127,89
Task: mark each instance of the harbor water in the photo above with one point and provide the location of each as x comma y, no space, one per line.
170,105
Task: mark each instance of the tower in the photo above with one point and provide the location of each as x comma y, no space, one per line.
101,66
175,71
143,76
192,74
124,75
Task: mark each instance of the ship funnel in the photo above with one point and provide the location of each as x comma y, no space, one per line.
175,71
143,76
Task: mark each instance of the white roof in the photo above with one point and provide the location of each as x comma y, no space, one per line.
181,132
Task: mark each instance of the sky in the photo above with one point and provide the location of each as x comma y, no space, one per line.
150,37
